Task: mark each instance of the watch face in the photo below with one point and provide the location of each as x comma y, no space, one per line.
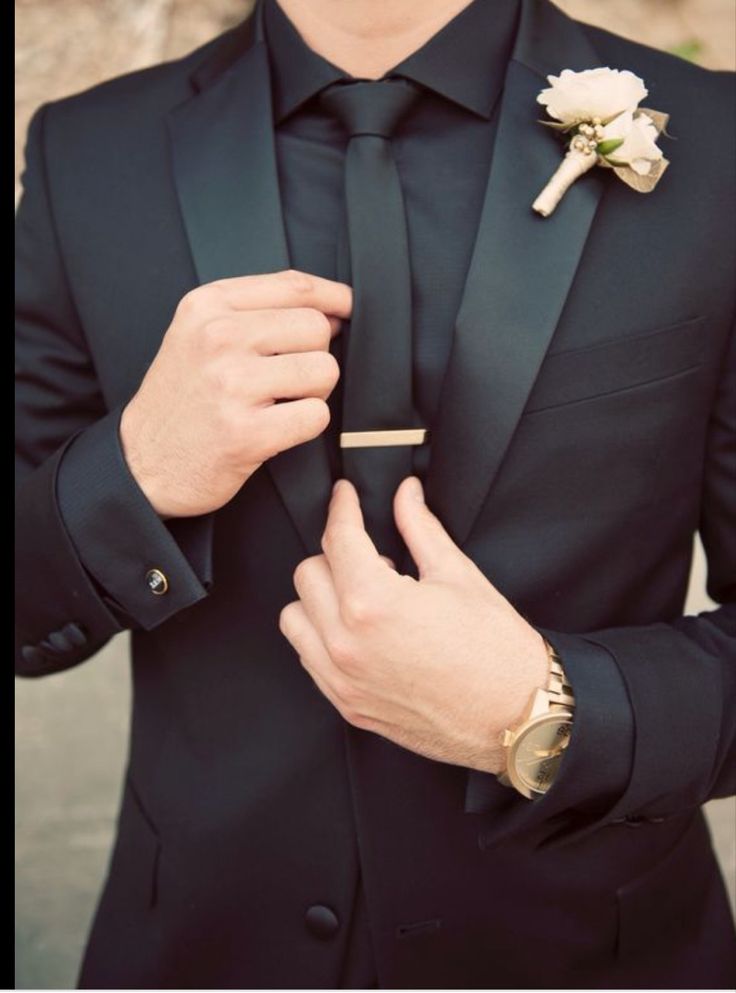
537,753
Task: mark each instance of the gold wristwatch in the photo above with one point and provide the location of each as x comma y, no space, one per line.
536,747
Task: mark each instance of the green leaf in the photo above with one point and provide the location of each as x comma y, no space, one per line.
610,145
689,50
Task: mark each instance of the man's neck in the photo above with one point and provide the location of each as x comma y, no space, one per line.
366,38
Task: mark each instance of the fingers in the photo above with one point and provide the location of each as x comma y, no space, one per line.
302,374
289,288
431,547
316,590
351,555
281,332
304,638
271,332
291,423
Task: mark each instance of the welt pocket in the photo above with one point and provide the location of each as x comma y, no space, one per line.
612,366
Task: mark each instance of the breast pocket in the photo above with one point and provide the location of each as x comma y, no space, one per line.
614,366
616,428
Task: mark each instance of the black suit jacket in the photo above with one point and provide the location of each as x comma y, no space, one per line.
586,431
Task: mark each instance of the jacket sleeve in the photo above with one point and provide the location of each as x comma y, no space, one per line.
654,731
86,536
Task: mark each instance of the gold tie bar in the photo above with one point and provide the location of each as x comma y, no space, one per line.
376,439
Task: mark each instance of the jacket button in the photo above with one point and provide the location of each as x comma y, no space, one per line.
157,582
32,655
322,921
75,634
58,642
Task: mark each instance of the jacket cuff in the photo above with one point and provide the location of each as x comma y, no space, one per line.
120,538
61,618
595,771
681,704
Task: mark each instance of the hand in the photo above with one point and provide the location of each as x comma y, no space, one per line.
205,416
440,665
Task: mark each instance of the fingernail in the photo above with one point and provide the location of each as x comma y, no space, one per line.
336,486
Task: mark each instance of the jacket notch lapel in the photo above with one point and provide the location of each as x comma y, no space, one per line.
226,177
519,277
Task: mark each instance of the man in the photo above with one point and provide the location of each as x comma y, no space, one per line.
239,275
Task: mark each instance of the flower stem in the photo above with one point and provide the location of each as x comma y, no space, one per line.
572,167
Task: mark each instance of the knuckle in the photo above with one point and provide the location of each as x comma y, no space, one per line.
200,300
303,571
315,319
313,322
300,283
286,618
318,369
306,365
216,291
340,649
215,333
330,369
358,609
343,690
352,708
359,720
317,416
188,303
323,332
351,715
352,696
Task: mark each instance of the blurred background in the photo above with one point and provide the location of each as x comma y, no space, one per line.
72,728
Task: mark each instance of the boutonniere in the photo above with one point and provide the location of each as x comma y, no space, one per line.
599,110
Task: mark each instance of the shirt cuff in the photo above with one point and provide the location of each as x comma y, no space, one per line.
118,535
595,771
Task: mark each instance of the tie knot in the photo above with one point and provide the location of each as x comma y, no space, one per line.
369,106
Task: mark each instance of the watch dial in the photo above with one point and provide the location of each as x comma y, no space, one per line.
538,753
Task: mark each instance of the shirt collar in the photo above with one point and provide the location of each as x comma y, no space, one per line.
465,62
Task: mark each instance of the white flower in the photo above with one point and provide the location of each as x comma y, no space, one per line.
600,93
639,149
598,111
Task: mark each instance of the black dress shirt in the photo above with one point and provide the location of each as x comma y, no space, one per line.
443,152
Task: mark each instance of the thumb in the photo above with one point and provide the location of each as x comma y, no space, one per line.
431,547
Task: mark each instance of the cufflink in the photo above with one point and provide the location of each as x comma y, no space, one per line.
157,582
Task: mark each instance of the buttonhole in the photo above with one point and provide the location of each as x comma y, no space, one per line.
418,927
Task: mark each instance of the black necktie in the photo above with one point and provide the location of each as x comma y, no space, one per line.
377,369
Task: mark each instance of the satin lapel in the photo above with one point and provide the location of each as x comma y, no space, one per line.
519,277
227,182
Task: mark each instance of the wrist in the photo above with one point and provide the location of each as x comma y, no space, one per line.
138,465
522,683
528,677
535,746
